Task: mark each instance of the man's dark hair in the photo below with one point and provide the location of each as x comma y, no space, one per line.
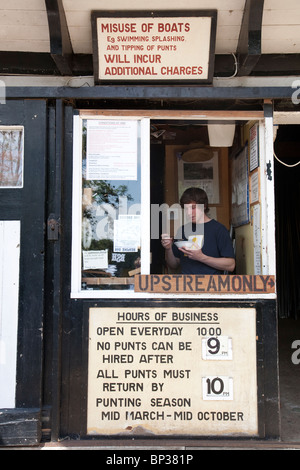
196,195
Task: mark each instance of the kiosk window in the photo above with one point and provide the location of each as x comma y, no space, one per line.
111,204
116,190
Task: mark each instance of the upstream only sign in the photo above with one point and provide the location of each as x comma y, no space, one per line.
154,47
199,284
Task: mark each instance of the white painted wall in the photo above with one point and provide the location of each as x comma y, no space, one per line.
24,26
9,302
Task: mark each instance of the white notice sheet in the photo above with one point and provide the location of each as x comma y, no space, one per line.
95,259
111,150
127,234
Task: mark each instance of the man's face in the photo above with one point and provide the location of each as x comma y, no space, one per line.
194,212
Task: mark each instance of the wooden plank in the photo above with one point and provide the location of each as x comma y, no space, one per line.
279,4
97,281
205,284
20,426
23,18
277,64
80,25
24,33
117,5
31,5
280,17
157,92
289,47
22,46
174,114
40,61
281,32
134,272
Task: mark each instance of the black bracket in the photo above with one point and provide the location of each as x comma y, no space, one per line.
53,228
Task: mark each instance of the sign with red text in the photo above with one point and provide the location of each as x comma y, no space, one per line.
154,47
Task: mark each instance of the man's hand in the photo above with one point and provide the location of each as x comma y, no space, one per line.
222,264
166,241
194,254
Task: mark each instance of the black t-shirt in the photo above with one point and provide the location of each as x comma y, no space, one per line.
217,243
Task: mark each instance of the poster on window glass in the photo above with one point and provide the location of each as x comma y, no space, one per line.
111,150
127,234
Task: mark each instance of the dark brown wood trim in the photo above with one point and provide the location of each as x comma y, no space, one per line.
249,45
43,63
20,427
60,42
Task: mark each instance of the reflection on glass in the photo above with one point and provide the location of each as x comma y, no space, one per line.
11,157
110,210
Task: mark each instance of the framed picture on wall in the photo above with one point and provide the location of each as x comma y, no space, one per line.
199,168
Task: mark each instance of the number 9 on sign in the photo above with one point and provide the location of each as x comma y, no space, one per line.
217,388
217,348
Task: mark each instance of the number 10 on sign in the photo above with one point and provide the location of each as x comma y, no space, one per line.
217,388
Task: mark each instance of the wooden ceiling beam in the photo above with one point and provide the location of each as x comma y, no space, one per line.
42,63
249,44
60,42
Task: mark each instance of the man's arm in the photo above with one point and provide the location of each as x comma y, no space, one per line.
171,260
222,264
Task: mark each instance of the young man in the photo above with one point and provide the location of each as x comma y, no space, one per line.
216,254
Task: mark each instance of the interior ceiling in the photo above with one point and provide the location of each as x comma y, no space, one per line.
55,37
178,133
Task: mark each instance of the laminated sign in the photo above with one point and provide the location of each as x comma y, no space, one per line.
153,46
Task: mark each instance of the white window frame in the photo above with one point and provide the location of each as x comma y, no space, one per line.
267,202
76,291
10,239
16,128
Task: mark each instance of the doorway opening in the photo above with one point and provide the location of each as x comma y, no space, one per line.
182,154
287,204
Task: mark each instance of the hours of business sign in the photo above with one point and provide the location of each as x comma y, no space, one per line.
172,371
151,46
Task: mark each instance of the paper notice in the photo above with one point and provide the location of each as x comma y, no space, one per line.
95,259
111,150
127,234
